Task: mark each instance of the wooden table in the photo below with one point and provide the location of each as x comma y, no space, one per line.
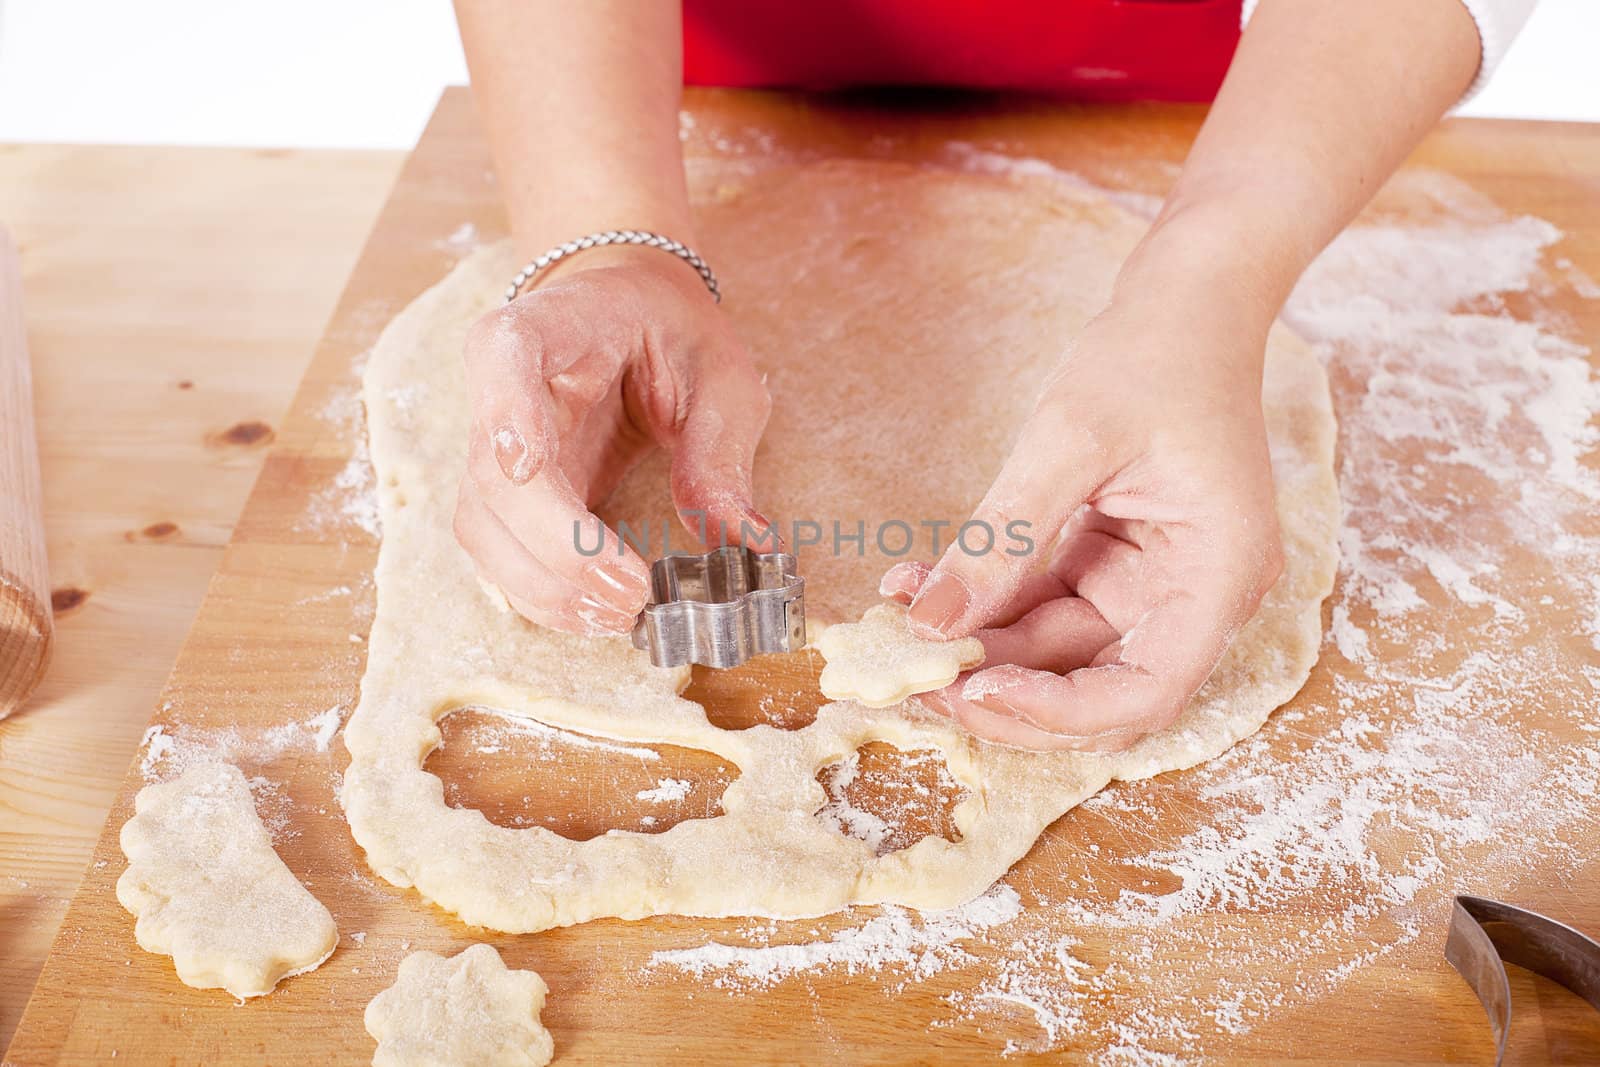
168,324
278,639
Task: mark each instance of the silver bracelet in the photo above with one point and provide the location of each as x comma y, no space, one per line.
615,237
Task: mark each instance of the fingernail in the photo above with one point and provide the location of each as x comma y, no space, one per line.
601,617
763,532
999,705
517,463
986,692
618,586
941,604
901,581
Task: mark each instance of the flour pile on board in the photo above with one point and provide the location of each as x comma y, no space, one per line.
168,751
351,497
666,791
916,945
1467,444
324,726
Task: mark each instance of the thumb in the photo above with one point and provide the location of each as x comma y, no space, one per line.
1054,468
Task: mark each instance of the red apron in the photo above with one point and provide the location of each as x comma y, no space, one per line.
1094,49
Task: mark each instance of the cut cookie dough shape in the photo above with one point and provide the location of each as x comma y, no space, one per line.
207,889
468,1010
879,662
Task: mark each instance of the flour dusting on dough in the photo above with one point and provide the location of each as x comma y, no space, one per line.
207,889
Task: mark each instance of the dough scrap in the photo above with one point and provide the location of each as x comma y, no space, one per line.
842,278
466,1011
207,889
880,662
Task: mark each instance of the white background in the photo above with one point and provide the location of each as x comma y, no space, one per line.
365,73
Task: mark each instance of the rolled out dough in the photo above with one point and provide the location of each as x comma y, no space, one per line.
466,1011
881,299
880,662
207,889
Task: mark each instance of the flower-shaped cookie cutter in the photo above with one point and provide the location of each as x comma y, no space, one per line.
722,607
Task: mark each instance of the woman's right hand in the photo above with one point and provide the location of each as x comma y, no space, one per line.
572,384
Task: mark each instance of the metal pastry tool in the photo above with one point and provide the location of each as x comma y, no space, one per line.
1485,935
722,607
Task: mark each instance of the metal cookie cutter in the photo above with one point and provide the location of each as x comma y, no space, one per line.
721,608
1485,935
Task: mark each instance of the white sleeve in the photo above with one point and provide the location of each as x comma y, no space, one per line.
1499,22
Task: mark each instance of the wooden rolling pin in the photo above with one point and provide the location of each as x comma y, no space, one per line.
25,624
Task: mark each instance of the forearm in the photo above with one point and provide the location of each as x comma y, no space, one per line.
580,102
1322,103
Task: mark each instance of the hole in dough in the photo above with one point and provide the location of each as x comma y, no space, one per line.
777,690
521,773
891,799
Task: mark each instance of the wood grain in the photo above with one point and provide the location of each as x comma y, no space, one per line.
159,316
279,640
25,623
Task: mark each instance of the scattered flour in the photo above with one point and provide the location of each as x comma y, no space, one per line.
900,797
326,595
666,791
847,819
170,750
463,240
1427,766
353,495
489,737
325,726
158,745
350,499
918,945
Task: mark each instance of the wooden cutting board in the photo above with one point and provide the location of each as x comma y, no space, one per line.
151,405
279,642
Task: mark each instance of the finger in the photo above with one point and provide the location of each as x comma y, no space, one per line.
599,449
547,518
1007,730
1055,466
582,627
1038,589
537,593
508,364
1108,572
1161,663
713,455
901,582
1059,635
